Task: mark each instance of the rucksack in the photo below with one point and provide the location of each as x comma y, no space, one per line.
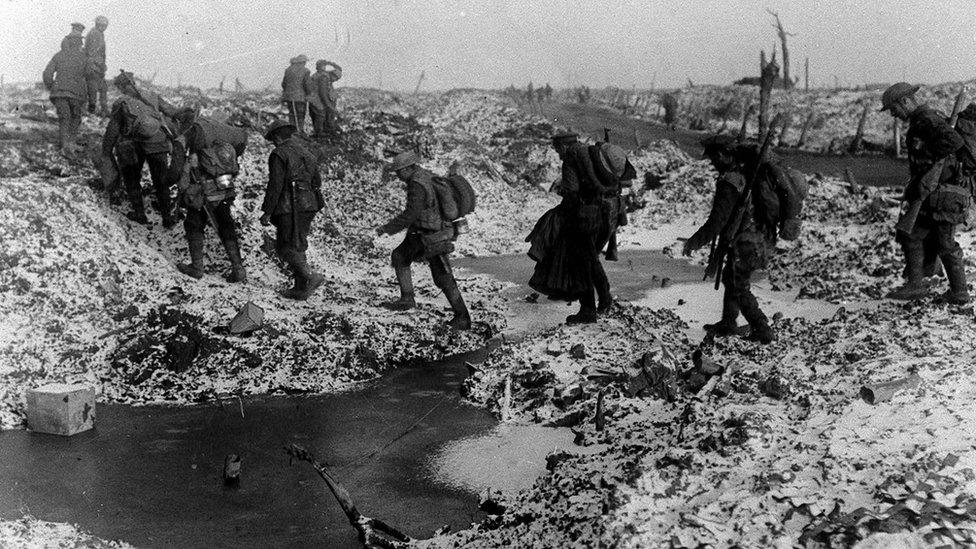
462,194
141,120
781,191
444,195
966,128
218,159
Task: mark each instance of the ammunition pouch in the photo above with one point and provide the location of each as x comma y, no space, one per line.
437,243
949,203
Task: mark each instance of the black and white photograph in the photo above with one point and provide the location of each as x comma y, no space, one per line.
445,274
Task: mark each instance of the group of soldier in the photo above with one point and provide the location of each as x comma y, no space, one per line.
75,76
199,155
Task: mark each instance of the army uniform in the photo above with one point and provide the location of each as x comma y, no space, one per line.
322,98
208,198
290,203
428,238
95,72
132,152
749,247
64,77
296,86
592,209
931,143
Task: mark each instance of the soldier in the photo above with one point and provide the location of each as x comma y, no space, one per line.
64,78
207,190
293,197
749,246
429,237
77,29
95,73
139,133
591,211
935,190
322,99
296,87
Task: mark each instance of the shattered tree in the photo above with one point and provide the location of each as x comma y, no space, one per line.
787,81
767,78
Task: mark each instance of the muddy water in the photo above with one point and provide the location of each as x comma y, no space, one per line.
152,475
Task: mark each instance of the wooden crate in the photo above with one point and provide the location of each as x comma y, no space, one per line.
61,409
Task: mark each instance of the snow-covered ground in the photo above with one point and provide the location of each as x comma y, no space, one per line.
717,442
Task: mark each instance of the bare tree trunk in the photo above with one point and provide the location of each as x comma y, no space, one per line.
420,81
767,78
858,142
787,82
806,75
806,127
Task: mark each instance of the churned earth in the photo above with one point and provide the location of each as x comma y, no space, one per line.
681,441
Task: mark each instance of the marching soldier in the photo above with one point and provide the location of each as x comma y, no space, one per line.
291,201
95,72
749,247
296,86
428,237
207,191
64,78
322,99
935,198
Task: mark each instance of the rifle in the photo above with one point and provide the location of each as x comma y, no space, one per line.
719,251
908,218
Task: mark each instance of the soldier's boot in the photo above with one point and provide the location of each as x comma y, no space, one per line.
289,257
462,318
611,254
312,280
958,293
237,272
193,269
914,286
587,312
405,281
138,213
728,325
758,323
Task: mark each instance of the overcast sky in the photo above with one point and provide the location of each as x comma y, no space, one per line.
492,43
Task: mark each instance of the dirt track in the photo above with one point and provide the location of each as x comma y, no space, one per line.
875,171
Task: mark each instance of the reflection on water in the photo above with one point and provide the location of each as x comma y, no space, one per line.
509,458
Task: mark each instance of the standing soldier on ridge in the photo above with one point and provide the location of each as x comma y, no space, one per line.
64,77
95,71
296,87
293,198
429,237
323,96
936,201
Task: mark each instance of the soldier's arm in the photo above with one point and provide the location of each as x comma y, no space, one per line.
723,205
415,204
939,136
276,183
49,71
112,131
337,73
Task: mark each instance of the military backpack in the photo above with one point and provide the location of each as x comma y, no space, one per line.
141,121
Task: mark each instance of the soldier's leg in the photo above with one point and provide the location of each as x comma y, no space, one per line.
63,108
194,225
951,254
587,312
103,95
728,325
602,284
318,120
77,111
311,278
132,177
912,246
440,270
300,108
292,115
284,247
748,255
330,119
228,236
92,92
401,258
159,171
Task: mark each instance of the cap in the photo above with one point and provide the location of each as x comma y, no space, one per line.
718,142
300,59
277,125
403,160
101,20
77,27
124,78
895,92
